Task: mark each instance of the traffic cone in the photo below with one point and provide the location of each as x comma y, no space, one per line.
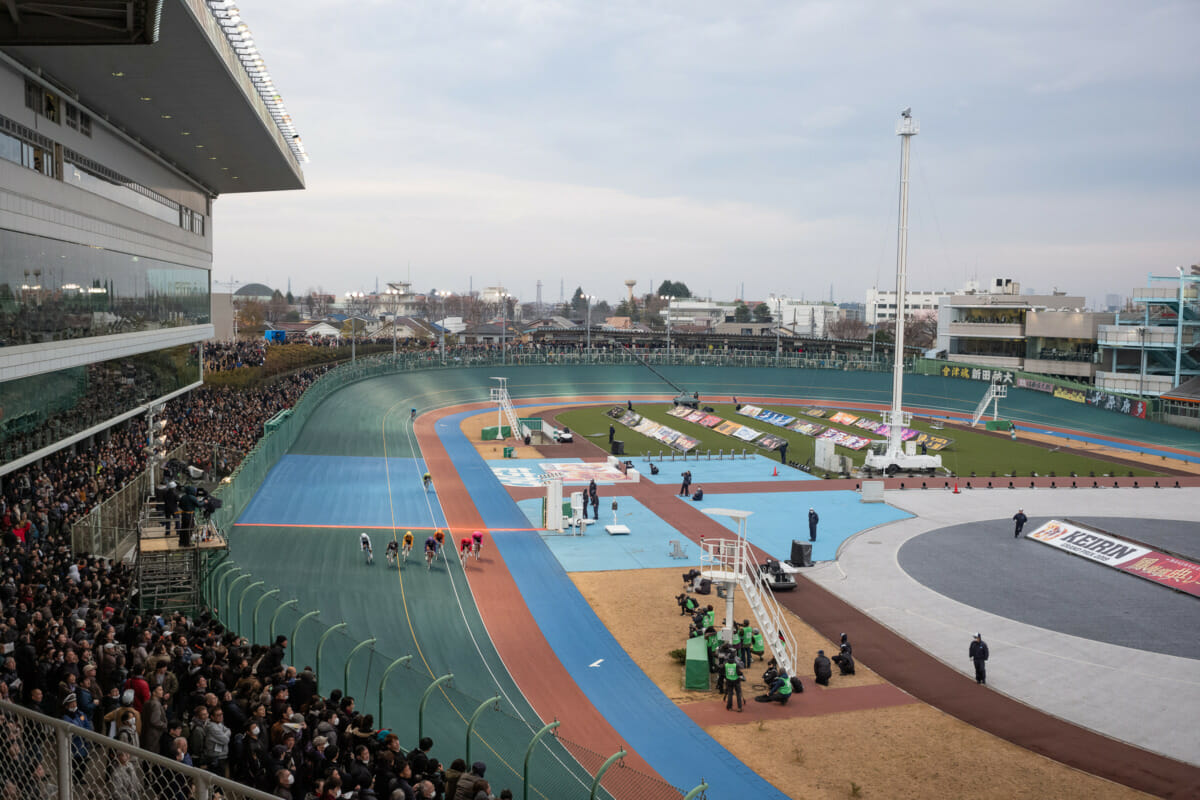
775,472
956,487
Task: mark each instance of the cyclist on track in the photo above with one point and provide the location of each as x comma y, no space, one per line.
365,543
441,542
427,479
412,414
393,549
430,551
476,543
408,543
464,550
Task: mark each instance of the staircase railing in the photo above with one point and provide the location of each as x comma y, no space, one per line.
732,560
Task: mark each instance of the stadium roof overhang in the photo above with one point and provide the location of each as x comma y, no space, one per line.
184,95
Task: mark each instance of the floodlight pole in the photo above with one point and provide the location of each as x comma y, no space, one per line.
905,129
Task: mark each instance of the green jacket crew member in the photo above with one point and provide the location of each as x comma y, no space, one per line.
714,643
782,689
759,647
710,617
733,684
747,643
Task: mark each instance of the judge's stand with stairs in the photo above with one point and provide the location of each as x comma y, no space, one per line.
168,573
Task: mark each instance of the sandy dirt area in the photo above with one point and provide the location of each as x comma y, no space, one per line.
473,427
908,751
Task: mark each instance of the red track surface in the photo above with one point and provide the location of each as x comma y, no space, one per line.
551,691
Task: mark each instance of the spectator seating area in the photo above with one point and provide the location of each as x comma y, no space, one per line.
78,649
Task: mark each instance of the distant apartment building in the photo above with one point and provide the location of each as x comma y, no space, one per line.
881,304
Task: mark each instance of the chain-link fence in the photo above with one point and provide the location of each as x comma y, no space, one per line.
44,758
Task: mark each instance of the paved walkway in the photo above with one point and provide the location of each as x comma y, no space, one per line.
1144,698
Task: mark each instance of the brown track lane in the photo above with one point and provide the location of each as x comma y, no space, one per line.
525,652
926,678
551,690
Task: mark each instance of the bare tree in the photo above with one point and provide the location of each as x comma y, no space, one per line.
847,328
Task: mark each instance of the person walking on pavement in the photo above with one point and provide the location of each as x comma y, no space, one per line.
1020,519
687,484
813,519
733,683
979,654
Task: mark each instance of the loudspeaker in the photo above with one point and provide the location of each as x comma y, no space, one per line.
801,553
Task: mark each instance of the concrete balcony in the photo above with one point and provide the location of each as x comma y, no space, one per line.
1046,366
988,330
1130,336
1012,362
1132,383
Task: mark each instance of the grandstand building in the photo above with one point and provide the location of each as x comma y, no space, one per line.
119,128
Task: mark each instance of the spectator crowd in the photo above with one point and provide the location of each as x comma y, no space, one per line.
75,647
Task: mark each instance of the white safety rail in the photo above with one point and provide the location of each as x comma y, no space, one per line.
499,395
995,392
732,560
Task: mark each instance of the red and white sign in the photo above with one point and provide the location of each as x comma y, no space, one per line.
1120,554
1167,570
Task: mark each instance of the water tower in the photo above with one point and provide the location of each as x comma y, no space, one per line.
629,284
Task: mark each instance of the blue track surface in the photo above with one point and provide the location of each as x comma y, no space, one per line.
646,547
344,491
780,517
667,738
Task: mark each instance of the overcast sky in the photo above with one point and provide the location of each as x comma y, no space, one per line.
502,142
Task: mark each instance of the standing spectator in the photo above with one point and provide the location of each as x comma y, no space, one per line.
141,689
687,484
124,781
216,743
611,433
1020,519
79,745
466,783
154,719
978,653
813,519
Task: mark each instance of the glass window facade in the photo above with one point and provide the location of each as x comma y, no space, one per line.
40,410
52,290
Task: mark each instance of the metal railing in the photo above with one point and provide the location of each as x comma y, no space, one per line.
51,758
110,529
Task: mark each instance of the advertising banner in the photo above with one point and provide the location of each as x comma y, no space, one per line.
710,421
770,442
1086,543
1037,386
750,411
679,411
727,427
746,434
1121,405
1165,570
842,418
1070,394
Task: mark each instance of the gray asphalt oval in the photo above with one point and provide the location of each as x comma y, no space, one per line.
980,564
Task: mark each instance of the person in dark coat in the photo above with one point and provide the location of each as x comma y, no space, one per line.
687,484
979,654
846,648
822,671
611,433
1020,519
845,661
593,497
783,453
813,519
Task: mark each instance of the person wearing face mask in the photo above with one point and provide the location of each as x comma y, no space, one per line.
328,727
246,755
283,784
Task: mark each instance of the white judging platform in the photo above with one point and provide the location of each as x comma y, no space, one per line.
617,530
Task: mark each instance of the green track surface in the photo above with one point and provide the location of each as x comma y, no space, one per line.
969,452
431,615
